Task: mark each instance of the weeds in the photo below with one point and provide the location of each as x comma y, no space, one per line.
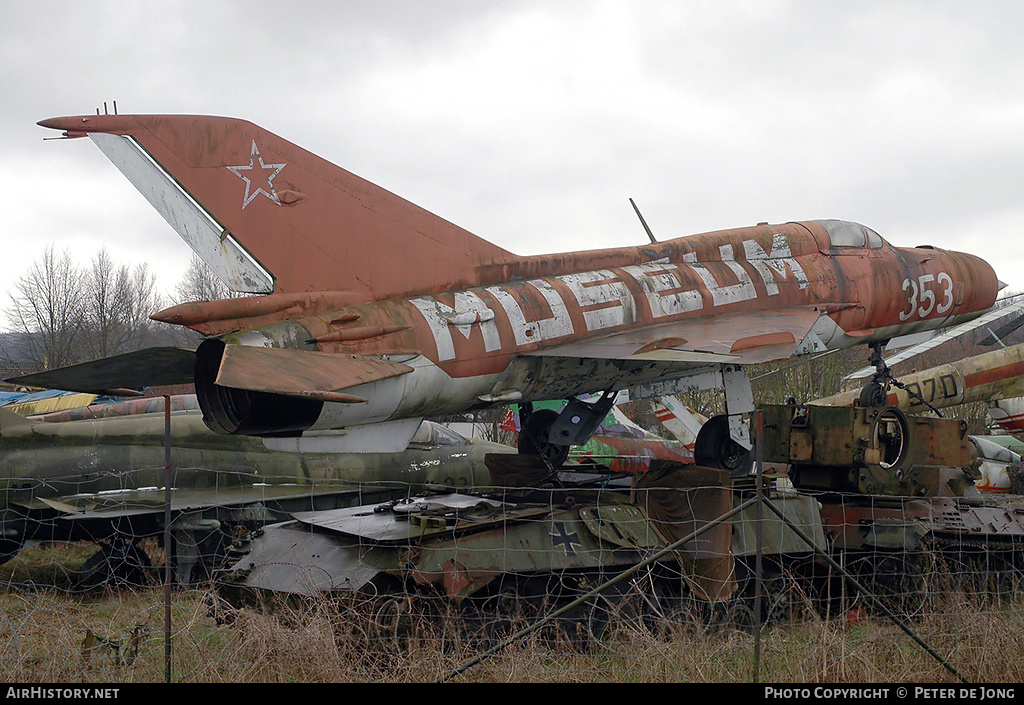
55,635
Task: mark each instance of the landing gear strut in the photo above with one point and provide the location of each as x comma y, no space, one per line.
876,392
549,433
535,427
724,441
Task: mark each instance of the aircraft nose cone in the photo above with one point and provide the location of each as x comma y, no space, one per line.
980,280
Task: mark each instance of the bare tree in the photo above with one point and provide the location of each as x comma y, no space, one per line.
118,304
201,284
101,304
140,300
47,309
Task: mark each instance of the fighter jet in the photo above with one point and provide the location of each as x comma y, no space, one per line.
372,310
102,479
1009,414
987,377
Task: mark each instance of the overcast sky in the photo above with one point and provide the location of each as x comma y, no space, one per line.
531,124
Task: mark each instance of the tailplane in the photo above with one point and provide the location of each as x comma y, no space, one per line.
268,216
12,424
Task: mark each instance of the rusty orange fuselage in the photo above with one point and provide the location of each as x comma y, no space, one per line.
392,312
492,338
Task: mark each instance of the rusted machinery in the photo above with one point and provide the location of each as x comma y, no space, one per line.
869,450
899,506
104,480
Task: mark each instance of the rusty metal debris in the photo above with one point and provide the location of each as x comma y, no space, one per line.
877,509
101,478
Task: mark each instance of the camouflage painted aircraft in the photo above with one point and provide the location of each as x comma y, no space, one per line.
988,377
103,479
371,310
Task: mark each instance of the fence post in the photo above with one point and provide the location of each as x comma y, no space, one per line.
759,532
167,537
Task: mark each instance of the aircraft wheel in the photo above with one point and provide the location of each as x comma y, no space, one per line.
534,435
873,395
716,449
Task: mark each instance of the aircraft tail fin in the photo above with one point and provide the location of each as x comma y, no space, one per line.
12,424
681,421
269,216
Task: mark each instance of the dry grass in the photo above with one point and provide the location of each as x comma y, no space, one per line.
53,635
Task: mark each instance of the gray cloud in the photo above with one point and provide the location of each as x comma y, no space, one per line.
532,123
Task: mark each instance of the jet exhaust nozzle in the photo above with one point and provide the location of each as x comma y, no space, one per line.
235,411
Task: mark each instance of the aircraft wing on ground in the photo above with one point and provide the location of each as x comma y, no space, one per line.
111,504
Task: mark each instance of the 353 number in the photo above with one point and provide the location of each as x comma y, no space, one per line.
923,298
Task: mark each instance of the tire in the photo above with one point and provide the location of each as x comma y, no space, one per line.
8,549
873,395
533,438
716,449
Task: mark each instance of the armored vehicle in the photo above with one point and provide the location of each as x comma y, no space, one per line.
899,503
888,498
102,479
664,545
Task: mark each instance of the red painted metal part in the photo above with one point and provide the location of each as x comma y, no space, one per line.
328,230
348,240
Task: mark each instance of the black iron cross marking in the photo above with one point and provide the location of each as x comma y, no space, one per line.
568,541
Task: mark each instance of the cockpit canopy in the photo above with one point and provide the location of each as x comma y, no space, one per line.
845,233
430,433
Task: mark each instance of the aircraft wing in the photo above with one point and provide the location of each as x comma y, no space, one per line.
142,368
746,337
301,372
139,502
304,373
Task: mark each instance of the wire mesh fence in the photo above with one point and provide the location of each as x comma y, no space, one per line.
676,575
